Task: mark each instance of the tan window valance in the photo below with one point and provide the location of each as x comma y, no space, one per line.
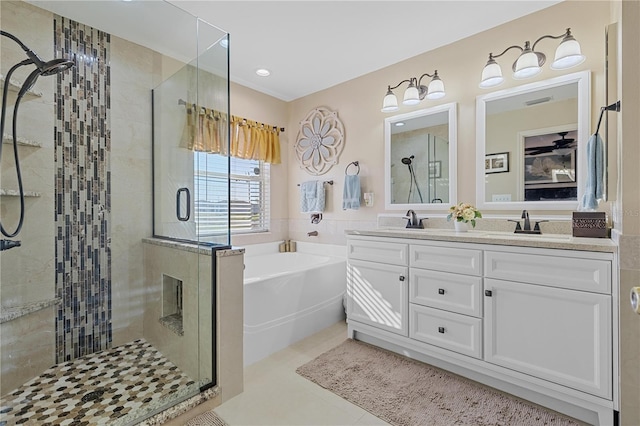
205,132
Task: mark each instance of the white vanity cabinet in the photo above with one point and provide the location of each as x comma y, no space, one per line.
534,322
445,287
555,322
377,290
560,335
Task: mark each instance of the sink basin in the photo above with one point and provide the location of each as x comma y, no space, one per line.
510,235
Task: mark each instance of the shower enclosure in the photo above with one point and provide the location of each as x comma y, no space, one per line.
91,329
419,172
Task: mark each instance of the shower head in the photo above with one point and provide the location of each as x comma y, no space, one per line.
407,161
54,66
51,67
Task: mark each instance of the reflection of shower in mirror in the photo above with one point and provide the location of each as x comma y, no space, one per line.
413,180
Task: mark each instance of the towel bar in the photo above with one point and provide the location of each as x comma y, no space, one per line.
330,182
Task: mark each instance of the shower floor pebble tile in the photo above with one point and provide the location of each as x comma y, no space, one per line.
131,377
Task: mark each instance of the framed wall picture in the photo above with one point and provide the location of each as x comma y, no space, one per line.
435,169
552,167
496,163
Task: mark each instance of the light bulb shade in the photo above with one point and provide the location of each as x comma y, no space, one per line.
491,75
390,102
568,54
527,65
435,89
411,95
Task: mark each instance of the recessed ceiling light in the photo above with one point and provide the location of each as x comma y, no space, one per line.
224,42
400,123
263,72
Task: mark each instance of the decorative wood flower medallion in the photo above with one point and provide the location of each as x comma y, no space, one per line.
320,141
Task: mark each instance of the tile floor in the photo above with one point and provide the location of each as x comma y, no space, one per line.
134,379
274,394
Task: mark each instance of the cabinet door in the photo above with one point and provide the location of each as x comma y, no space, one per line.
560,335
378,295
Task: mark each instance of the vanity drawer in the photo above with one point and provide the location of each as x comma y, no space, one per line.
458,333
452,292
377,251
555,271
446,259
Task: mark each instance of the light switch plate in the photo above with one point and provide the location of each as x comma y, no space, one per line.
501,197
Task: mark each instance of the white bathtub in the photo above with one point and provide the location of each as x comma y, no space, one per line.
289,296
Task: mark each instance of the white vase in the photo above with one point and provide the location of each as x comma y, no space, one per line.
461,226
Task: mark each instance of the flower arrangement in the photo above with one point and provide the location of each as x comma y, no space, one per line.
464,212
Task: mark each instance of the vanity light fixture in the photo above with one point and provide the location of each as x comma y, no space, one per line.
530,61
415,92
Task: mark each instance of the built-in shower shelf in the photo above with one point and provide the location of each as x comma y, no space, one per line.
8,313
7,138
16,193
15,85
174,323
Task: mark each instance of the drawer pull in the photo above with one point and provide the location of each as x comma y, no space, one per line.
488,293
441,330
401,277
441,291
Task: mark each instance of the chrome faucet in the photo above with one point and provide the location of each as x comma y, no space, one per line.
312,234
413,221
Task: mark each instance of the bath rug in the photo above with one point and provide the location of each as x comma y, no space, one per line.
206,419
405,392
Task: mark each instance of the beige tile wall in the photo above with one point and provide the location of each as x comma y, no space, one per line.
132,77
191,351
27,348
27,272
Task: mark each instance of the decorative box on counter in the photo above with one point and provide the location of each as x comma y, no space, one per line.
590,224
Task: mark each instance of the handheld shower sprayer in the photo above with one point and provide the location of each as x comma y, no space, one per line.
408,161
43,68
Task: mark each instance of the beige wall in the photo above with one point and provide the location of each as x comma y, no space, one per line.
358,103
257,106
627,211
503,136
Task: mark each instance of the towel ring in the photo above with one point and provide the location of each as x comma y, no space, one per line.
355,163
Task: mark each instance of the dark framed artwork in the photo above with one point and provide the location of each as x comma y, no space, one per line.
496,163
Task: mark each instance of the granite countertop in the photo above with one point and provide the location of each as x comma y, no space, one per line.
552,241
193,247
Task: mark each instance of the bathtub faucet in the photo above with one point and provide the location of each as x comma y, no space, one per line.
312,234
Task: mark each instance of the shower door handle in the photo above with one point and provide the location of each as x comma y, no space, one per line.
178,209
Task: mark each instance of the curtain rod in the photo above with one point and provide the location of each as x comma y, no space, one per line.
183,102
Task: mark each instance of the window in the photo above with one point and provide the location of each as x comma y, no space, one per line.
249,195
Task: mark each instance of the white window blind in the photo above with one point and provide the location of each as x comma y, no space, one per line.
248,193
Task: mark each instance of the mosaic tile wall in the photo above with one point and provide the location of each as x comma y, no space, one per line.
82,191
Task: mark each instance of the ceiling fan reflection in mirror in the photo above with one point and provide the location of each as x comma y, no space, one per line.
561,146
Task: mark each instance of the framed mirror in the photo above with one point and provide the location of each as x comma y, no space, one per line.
420,159
530,144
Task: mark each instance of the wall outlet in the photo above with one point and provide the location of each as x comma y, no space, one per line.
501,197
